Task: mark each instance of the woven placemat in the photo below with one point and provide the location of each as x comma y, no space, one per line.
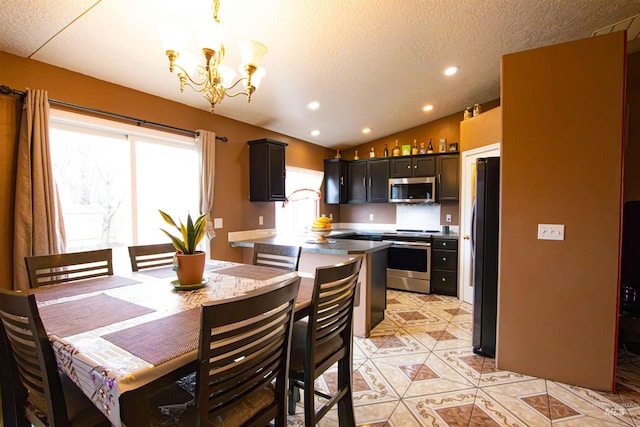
48,293
255,272
162,339
159,272
82,315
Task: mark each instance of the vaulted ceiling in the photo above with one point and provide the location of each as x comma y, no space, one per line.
369,63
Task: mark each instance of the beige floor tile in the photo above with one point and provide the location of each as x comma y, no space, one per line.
436,377
492,375
570,404
584,421
429,335
404,417
465,325
488,411
443,409
527,400
464,361
400,343
414,317
401,371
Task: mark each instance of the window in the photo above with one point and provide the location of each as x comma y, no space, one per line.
302,206
113,178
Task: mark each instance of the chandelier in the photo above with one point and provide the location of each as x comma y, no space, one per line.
213,80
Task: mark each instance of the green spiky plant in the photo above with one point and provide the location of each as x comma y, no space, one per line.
192,232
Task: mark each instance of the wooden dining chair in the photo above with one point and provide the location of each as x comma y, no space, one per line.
323,339
151,256
243,359
40,396
278,256
62,268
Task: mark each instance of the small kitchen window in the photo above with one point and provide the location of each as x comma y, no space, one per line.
303,200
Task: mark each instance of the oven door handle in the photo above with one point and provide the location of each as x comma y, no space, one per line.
409,245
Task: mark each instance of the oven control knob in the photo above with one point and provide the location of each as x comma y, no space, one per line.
444,280
444,259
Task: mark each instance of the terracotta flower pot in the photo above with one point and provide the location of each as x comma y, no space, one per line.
190,268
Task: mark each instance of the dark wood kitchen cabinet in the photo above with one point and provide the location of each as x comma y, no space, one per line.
335,181
406,167
368,181
448,175
444,267
266,170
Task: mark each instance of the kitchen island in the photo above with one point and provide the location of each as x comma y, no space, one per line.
371,298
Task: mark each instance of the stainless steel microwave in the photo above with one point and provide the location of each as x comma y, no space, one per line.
412,190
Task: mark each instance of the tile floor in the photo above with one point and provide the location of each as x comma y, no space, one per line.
418,369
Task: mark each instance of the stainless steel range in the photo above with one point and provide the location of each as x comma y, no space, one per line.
409,260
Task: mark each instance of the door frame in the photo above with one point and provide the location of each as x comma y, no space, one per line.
465,267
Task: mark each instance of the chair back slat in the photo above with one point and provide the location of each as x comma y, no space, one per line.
151,256
276,256
63,268
32,353
244,346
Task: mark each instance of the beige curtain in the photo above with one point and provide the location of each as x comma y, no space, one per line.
206,148
38,226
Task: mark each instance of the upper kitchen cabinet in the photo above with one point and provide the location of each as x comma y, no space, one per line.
335,181
368,181
406,167
448,174
266,170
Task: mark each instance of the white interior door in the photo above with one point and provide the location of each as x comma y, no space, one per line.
468,192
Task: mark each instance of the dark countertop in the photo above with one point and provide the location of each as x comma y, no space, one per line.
389,234
334,246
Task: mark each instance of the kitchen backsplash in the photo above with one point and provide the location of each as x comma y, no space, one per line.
418,217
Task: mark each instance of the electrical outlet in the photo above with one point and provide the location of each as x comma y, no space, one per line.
550,231
370,217
217,223
260,220
331,217
448,217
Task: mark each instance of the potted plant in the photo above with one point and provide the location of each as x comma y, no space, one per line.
190,261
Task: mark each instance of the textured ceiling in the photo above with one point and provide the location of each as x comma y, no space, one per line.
370,63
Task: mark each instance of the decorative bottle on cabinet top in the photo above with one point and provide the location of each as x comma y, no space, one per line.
430,148
396,150
386,151
372,153
422,149
414,149
355,156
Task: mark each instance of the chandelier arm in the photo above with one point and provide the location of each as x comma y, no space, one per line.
188,77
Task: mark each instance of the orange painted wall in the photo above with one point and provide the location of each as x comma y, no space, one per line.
232,158
562,109
483,130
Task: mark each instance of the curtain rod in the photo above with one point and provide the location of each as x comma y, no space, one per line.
6,90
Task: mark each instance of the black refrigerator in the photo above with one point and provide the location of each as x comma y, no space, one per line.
485,252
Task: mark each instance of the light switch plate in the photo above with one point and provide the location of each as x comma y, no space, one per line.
260,220
550,231
370,217
217,223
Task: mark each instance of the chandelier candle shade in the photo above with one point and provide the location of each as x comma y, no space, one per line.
213,80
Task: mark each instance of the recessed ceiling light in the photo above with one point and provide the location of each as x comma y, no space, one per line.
427,107
366,130
313,105
315,132
451,71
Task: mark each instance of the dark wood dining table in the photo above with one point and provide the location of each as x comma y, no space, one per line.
121,337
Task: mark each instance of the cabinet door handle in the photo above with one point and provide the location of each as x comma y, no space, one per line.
444,280
341,180
415,167
369,182
408,166
444,259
